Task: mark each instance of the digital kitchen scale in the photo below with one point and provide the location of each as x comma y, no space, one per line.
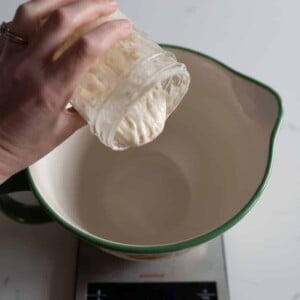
198,274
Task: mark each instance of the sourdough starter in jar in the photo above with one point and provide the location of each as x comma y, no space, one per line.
128,94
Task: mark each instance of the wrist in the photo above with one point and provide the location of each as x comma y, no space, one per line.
3,179
4,174
6,170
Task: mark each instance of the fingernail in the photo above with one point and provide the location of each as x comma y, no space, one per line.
126,23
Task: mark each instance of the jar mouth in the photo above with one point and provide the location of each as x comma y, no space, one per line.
174,81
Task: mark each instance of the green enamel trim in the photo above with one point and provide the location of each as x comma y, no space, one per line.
155,249
16,183
22,213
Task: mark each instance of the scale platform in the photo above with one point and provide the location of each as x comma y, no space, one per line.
198,274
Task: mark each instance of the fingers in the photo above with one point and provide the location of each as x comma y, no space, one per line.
62,23
3,41
29,15
68,70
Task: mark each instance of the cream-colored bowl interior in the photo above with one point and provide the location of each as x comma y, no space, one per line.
198,174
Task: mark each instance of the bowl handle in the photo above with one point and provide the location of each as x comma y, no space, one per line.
27,214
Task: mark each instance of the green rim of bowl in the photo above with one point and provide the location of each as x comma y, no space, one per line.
156,249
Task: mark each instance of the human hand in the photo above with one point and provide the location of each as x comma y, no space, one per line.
34,88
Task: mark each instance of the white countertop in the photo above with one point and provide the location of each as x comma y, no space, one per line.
259,38
36,262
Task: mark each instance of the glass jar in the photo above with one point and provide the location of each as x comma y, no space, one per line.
130,91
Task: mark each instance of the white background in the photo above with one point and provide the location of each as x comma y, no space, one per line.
260,38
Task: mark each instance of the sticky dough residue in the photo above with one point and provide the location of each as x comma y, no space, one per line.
144,121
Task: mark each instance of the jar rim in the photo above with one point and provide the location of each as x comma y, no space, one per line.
176,69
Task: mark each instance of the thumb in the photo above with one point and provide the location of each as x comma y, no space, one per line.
69,122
